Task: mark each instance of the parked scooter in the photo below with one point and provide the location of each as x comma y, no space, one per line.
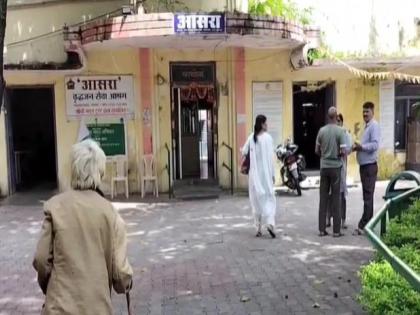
293,166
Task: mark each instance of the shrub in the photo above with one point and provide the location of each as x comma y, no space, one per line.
402,230
283,8
410,255
388,165
384,291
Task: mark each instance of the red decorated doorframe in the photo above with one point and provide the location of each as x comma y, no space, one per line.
194,120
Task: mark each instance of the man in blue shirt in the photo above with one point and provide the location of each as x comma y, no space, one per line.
367,157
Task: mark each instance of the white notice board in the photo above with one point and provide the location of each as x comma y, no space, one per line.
267,100
99,96
387,116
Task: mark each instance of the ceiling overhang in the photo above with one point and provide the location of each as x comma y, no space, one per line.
157,30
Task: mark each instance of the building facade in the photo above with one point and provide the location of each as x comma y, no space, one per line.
184,87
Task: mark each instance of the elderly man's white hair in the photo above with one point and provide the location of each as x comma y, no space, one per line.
87,165
332,112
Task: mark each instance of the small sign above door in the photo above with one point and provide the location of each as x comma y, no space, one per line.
183,74
199,23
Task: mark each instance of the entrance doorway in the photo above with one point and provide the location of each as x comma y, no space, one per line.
194,121
310,108
31,138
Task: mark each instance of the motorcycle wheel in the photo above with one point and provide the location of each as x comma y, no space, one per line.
291,184
298,189
302,164
297,186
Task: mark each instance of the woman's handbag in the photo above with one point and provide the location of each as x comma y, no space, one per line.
245,164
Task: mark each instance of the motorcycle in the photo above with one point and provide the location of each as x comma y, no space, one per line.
293,166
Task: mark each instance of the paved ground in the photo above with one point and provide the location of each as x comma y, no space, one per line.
202,258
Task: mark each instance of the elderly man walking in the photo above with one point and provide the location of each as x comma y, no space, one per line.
330,146
367,157
82,251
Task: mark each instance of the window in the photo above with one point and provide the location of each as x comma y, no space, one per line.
406,95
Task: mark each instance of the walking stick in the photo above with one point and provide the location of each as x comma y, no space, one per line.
127,297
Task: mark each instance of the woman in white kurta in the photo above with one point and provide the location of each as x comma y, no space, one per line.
261,176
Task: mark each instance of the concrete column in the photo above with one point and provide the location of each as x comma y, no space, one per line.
146,90
240,99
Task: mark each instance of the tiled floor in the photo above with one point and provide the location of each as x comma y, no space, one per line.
202,257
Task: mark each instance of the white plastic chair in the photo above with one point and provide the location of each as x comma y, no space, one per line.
148,173
120,174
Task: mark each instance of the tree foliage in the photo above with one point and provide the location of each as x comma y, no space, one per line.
282,8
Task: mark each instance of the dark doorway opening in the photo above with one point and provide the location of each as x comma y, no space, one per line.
310,107
31,138
406,95
194,121
194,127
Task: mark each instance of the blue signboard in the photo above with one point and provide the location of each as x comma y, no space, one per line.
199,23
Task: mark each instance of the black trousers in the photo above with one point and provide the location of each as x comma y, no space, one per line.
330,182
343,207
343,202
368,176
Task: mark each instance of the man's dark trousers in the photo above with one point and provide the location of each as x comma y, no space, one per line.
368,175
330,182
343,207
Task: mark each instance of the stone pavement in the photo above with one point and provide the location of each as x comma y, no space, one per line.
202,257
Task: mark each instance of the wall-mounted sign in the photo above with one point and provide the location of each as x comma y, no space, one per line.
99,96
111,137
387,114
199,23
183,74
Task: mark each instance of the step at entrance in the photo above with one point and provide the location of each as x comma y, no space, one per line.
196,189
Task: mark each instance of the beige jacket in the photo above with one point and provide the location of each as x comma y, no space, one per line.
82,253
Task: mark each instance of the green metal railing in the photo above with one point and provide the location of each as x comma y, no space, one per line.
377,227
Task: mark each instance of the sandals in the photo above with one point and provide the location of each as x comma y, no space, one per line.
325,233
270,230
357,232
